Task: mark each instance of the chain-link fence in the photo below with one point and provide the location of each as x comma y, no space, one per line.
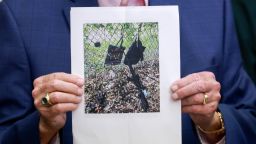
121,67
99,37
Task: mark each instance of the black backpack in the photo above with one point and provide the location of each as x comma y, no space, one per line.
135,53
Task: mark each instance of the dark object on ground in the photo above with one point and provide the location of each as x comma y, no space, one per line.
137,82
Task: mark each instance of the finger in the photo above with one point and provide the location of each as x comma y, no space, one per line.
192,78
196,87
60,97
196,99
57,98
59,76
62,108
57,85
201,109
185,81
57,109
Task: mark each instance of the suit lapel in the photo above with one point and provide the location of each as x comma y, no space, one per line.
66,133
77,3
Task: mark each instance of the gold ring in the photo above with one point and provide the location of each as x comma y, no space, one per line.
45,101
205,99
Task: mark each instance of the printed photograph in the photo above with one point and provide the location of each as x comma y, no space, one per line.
121,63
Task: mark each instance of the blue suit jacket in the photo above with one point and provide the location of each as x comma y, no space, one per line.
35,40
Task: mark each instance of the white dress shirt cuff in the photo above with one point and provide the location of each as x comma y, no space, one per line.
203,141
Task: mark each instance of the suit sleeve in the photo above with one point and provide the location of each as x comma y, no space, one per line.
18,118
238,103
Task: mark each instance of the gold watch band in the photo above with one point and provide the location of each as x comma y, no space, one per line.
221,130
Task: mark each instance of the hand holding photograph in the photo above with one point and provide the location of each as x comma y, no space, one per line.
128,56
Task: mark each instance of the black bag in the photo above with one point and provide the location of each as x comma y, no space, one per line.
135,53
115,53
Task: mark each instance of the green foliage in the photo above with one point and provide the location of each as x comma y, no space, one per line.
109,34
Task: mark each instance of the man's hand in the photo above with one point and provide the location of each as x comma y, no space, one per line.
65,92
191,90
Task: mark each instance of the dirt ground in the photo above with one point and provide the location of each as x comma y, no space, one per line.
112,91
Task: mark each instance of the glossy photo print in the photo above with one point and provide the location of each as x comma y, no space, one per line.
121,63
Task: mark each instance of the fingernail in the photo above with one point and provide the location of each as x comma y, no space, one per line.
175,96
80,99
80,91
174,88
80,81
